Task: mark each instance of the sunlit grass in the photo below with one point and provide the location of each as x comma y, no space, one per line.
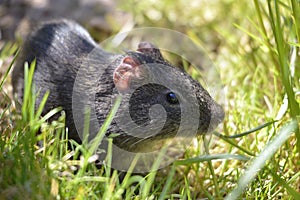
255,46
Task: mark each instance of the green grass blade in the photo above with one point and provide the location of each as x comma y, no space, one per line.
86,127
50,114
8,70
263,29
205,158
42,105
167,185
97,140
26,92
289,189
233,143
151,176
296,17
250,131
8,50
28,97
282,57
260,161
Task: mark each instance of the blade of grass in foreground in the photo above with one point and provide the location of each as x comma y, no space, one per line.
28,100
97,140
259,162
247,132
7,71
210,158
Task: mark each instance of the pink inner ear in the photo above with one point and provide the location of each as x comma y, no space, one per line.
130,61
125,72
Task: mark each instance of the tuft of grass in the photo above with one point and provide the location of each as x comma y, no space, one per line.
24,168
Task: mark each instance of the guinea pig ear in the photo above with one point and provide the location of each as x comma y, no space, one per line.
127,70
149,49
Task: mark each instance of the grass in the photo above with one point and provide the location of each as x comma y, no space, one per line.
255,155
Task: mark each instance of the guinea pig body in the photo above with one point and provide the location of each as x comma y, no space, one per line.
157,98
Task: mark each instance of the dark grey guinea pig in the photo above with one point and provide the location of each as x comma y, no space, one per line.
62,47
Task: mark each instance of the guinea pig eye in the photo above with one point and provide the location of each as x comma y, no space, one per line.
171,98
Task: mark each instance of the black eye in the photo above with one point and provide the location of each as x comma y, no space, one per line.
171,98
